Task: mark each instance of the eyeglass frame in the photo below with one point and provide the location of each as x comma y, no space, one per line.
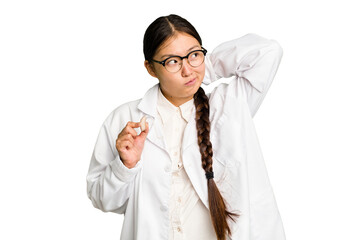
181,58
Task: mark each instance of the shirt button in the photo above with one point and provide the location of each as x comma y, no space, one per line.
175,153
179,199
179,164
179,229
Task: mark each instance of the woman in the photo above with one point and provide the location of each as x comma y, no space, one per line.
196,171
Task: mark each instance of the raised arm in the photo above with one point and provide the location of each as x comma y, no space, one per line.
252,59
109,181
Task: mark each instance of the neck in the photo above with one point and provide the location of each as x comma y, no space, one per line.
176,101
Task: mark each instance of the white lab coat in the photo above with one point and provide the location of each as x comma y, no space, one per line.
142,193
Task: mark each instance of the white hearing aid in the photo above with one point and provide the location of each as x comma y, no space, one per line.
143,123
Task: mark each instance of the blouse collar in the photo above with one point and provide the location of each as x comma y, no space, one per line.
166,109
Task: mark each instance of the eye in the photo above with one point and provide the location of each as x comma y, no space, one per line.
194,55
171,61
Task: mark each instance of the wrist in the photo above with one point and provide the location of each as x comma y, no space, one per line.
127,165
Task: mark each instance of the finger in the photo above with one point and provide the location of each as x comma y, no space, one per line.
131,131
126,145
133,124
144,133
128,130
122,145
127,137
146,128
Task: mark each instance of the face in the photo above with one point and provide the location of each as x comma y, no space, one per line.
181,86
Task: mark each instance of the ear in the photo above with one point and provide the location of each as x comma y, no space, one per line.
150,68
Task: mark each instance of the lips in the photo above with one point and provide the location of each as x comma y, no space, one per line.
191,82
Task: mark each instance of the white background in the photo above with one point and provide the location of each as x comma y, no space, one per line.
65,65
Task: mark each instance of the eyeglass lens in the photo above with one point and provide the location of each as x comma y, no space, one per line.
195,59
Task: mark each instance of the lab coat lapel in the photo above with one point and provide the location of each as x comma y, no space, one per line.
148,106
192,160
190,149
155,134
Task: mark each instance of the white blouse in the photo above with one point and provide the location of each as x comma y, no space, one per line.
189,218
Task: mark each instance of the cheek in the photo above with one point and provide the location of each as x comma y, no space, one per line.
169,82
163,77
201,71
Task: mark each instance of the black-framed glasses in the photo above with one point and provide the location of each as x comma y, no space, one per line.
174,63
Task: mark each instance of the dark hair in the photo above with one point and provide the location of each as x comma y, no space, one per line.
162,29
159,31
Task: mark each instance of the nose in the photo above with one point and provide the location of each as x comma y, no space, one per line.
186,69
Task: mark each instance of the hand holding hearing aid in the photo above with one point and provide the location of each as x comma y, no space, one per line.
130,145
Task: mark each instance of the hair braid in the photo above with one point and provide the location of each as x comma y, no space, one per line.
218,210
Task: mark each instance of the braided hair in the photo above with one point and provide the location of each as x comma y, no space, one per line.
218,210
159,31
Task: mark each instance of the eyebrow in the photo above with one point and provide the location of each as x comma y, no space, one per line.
172,55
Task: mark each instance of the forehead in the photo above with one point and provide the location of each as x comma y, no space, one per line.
179,44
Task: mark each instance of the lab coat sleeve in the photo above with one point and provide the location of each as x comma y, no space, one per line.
109,181
252,60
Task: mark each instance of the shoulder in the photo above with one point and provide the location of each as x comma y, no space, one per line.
218,95
123,113
133,110
126,107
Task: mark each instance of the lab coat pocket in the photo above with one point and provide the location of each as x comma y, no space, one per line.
218,169
229,191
